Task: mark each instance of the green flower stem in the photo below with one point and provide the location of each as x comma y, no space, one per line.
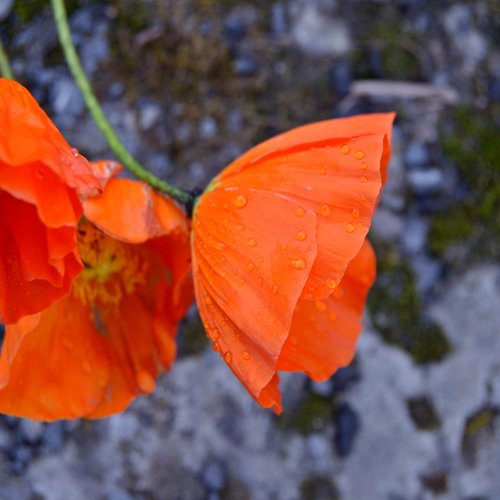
5,70
97,113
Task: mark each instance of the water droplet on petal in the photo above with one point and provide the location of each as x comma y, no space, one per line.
242,281
320,306
216,346
355,213
359,155
275,289
331,284
300,236
283,246
75,152
325,210
322,171
246,355
364,165
251,266
215,334
234,271
228,357
145,381
240,227
349,227
260,280
252,242
240,201
298,264
364,179
208,300
299,212
344,149
220,246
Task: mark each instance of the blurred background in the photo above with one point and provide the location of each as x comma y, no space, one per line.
191,84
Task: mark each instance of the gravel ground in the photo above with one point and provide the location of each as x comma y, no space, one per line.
190,84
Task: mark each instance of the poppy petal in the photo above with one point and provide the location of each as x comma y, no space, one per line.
98,348
131,211
30,138
324,332
249,276
339,180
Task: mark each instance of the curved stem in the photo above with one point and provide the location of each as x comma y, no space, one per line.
97,113
5,70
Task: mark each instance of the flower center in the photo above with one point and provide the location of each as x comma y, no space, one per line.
112,268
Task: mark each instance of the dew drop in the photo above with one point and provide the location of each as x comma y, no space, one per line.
246,355
320,306
363,197
325,209
240,201
283,246
145,381
228,357
220,246
355,213
215,334
208,300
261,260
364,165
300,236
242,281
331,284
300,212
275,289
252,242
233,271
363,179
251,266
359,155
349,227
216,346
322,171
260,280
75,152
344,149
298,264
240,227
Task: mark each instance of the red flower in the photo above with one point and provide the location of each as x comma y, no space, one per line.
40,179
90,353
280,261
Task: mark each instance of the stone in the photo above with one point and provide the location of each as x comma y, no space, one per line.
415,234
416,154
5,8
31,430
214,475
426,182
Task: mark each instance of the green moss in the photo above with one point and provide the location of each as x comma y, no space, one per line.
477,430
27,10
313,415
192,336
318,488
397,311
471,143
423,413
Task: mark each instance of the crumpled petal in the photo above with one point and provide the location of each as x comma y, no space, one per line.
313,188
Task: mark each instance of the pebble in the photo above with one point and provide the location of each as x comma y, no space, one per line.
5,8
214,475
208,128
426,182
245,66
415,234
278,19
31,430
416,154
346,429
53,437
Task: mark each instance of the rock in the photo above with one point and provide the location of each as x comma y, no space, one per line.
427,272
149,115
245,66
346,429
53,436
31,430
416,154
214,475
318,445
208,128
324,389
415,235
5,8
66,98
279,23
317,34
387,225
341,77
426,182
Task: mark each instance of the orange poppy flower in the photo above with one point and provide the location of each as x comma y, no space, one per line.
90,353
280,262
40,179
